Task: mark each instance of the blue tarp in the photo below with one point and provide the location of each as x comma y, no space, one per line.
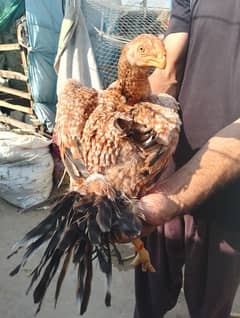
10,11
44,19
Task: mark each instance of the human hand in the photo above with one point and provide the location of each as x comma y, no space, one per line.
167,80
161,82
153,209
157,208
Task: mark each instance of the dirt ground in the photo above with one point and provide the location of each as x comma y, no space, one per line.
15,304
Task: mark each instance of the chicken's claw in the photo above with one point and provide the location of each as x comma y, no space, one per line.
142,258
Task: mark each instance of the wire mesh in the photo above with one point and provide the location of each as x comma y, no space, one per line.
111,24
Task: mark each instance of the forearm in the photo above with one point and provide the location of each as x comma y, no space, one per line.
166,80
215,165
176,46
176,41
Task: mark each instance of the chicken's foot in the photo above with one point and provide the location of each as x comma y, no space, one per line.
142,258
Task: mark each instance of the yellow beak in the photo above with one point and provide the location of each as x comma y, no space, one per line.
158,62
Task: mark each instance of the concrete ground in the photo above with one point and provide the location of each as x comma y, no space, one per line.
15,304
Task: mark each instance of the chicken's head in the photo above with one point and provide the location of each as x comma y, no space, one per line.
145,50
142,54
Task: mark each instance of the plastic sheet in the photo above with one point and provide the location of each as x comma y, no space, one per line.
10,11
44,20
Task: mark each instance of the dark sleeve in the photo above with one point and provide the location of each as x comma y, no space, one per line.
180,17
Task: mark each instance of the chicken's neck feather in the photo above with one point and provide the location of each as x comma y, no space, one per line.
133,81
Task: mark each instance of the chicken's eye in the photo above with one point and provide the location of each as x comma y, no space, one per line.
141,50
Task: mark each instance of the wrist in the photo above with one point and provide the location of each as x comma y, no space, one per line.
163,81
181,207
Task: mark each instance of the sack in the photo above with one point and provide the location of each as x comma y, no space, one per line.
26,168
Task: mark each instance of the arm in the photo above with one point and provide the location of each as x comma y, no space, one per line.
167,80
176,41
214,166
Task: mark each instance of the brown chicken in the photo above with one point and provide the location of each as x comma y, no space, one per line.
114,144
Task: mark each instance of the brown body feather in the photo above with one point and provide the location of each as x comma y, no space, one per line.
121,154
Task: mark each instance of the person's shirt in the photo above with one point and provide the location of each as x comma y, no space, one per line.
209,94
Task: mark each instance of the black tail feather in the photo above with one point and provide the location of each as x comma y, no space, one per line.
88,279
63,273
69,239
47,276
46,256
104,214
48,225
15,270
105,262
80,284
78,228
30,250
94,232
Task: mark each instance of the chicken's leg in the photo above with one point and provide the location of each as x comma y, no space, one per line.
142,257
